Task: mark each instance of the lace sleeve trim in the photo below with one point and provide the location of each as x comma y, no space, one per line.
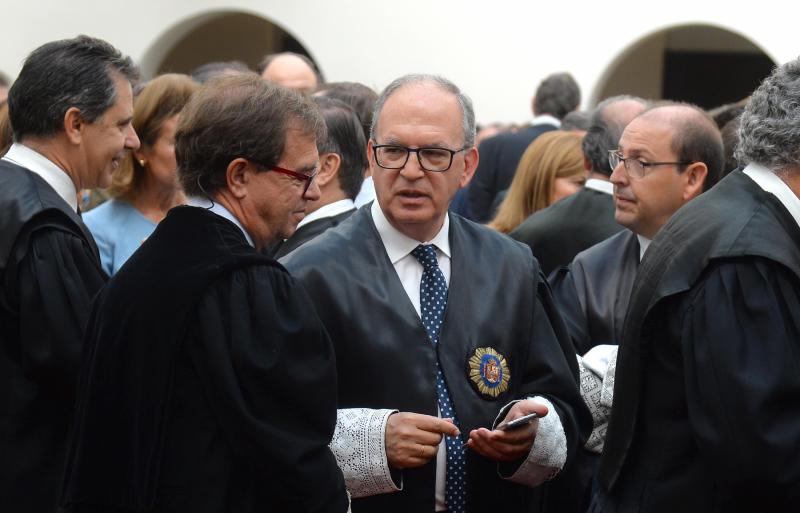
549,451
359,447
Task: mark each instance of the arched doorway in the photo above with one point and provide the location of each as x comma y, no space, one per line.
218,36
702,64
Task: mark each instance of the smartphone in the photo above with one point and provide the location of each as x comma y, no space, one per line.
517,423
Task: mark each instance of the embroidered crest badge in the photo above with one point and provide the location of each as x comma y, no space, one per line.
488,371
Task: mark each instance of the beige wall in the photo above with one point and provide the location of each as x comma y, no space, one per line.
496,51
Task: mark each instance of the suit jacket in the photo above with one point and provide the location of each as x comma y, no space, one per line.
49,273
308,231
705,415
496,298
592,293
498,163
559,232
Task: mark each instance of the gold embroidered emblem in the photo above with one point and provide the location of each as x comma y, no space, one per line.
488,371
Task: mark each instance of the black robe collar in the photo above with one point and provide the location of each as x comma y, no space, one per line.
735,219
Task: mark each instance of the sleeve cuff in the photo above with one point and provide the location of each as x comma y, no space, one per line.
548,453
359,447
597,390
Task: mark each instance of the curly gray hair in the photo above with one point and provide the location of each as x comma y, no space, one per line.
769,129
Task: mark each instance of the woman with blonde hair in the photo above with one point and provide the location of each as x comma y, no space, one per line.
146,185
550,169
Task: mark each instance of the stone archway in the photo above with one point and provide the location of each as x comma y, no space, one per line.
218,36
701,64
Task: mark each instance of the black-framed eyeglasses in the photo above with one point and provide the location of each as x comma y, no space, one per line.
394,156
635,167
306,178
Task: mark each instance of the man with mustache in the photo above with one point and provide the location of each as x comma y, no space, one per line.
442,328
71,110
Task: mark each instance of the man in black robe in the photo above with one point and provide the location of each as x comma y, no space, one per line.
592,293
446,321
706,413
71,133
342,163
559,232
208,382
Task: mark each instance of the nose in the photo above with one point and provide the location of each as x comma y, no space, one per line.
312,193
131,139
412,170
619,176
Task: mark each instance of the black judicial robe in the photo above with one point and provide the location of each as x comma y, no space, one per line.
592,293
308,231
497,298
559,232
706,413
207,383
49,272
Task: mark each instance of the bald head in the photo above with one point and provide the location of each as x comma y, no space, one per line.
695,136
290,70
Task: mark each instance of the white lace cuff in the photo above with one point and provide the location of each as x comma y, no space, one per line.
597,369
360,450
549,451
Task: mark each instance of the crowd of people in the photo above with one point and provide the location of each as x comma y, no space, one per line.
211,288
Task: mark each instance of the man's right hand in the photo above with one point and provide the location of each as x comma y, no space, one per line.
412,439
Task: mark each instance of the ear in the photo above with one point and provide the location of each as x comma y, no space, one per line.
238,175
329,164
371,158
587,165
470,165
74,125
694,180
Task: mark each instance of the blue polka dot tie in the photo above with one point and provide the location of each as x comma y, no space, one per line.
433,299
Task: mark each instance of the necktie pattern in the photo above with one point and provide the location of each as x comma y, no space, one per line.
433,300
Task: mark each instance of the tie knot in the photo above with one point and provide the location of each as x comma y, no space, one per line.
426,255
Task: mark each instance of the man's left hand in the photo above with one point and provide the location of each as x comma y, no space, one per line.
508,445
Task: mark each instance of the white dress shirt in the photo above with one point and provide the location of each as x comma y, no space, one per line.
215,207
55,177
546,119
600,185
770,182
329,210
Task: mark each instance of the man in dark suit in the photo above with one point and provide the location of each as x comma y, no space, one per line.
556,96
559,232
342,163
402,288
71,133
705,415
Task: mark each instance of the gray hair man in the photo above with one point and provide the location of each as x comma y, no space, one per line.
707,377
71,109
427,367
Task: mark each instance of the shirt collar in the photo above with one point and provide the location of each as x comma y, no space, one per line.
217,208
329,210
600,185
770,182
55,177
644,243
546,119
398,245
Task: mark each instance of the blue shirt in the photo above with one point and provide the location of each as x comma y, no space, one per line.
119,229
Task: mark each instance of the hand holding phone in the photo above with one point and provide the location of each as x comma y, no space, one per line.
517,423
